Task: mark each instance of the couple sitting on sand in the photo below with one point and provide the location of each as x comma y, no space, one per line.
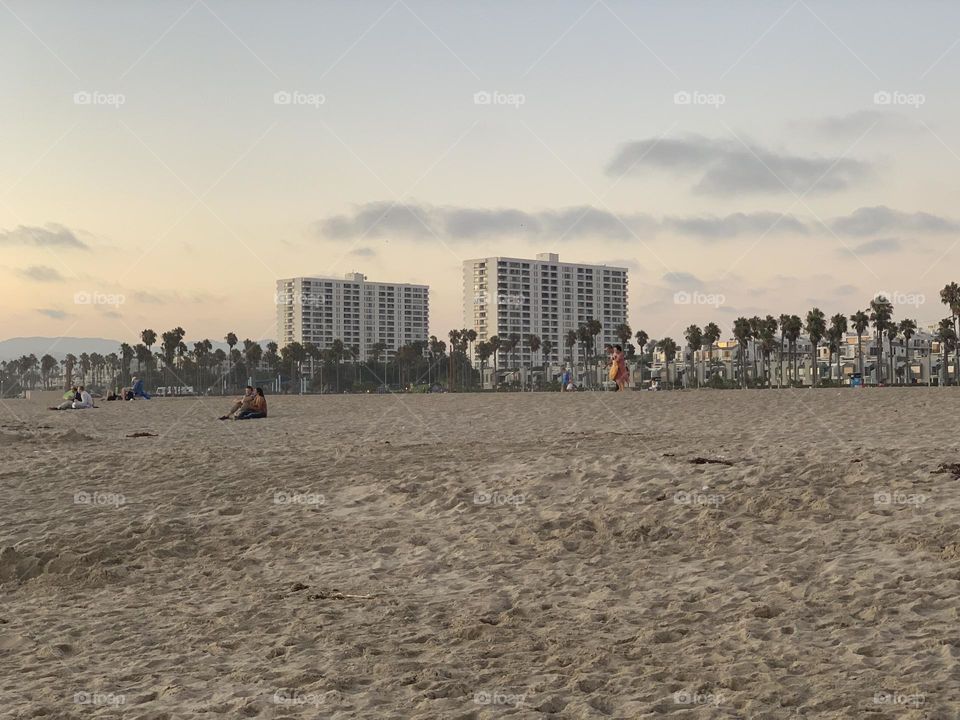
76,398
251,406
617,363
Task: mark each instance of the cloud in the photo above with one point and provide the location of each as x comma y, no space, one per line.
51,235
55,314
875,247
882,220
727,167
737,225
147,298
682,280
426,222
854,125
459,224
363,252
40,273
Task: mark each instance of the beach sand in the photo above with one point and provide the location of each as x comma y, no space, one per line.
481,556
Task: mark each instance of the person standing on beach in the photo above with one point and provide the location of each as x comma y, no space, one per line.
622,377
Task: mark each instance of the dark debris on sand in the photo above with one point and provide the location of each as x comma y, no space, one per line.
952,468
709,461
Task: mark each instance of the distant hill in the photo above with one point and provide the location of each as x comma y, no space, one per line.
59,347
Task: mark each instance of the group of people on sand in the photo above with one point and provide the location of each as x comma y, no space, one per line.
79,398
617,368
76,398
251,406
134,392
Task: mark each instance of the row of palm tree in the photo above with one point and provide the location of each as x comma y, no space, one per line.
762,333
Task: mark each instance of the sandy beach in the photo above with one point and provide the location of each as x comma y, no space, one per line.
761,554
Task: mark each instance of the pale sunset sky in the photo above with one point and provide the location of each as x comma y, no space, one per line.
762,157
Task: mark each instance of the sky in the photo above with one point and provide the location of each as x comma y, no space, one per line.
162,164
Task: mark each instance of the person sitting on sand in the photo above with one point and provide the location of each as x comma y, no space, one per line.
137,389
257,410
69,397
241,405
85,401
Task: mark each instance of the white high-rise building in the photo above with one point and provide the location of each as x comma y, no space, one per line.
544,297
354,310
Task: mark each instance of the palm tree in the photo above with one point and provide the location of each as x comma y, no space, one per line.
642,339
694,338
484,351
742,332
534,342
231,340
495,344
861,323
756,326
293,356
48,363
950,296
377,351
893,333
471,337
947,336
838,331
571,342
623,333
711,333
585,336
126,357
768,343
816,326
454,336
881,313
513,342
84,367
548,349
908,328
148,337
669,349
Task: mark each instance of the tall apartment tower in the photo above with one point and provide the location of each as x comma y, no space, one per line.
361,313
544,297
